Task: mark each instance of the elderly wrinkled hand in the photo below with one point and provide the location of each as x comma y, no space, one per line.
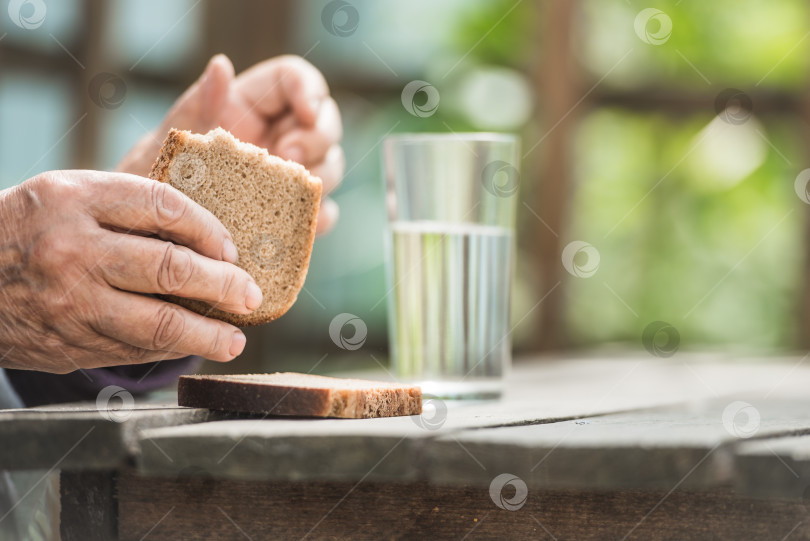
80,249
282,104
77,251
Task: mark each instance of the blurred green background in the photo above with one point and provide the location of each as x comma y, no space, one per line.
628,146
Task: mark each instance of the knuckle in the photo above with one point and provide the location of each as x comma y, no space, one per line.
54,249
227,290
169,206
298,68
209,229
50,187
169,328
336,133
134,355
175,270
293,61
337,158
216,344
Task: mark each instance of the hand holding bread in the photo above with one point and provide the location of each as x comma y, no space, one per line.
282,105
77,248
82,252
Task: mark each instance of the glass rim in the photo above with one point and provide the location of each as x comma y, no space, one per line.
486,137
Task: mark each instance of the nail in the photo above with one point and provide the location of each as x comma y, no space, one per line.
295,153
253,296
238,343
229,252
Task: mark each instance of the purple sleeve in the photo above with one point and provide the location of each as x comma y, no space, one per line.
40,388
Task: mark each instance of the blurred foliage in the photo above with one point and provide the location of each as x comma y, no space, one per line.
728,41
680,239
507,43
719,263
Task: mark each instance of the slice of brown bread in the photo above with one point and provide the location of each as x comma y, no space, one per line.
306,395
269,205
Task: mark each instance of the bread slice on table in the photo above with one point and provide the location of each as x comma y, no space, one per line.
306,395
269,205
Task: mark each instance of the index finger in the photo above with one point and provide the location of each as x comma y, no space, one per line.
284,82
135,204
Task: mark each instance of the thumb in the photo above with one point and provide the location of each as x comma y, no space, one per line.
200,107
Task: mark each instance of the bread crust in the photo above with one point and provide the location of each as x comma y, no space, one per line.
167,153
175,143
323,397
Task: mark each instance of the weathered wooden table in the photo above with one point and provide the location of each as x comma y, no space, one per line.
691,447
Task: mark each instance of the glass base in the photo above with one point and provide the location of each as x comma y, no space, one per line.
462,390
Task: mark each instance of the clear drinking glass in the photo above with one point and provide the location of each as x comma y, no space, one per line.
450,257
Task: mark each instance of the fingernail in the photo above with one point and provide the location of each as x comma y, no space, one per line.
294,153
229,252
253,296
238,343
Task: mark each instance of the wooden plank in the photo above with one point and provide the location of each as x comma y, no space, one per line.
775,468
78,436
546,397
347,449
689,446
285,449
89,509
538,392
169,509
